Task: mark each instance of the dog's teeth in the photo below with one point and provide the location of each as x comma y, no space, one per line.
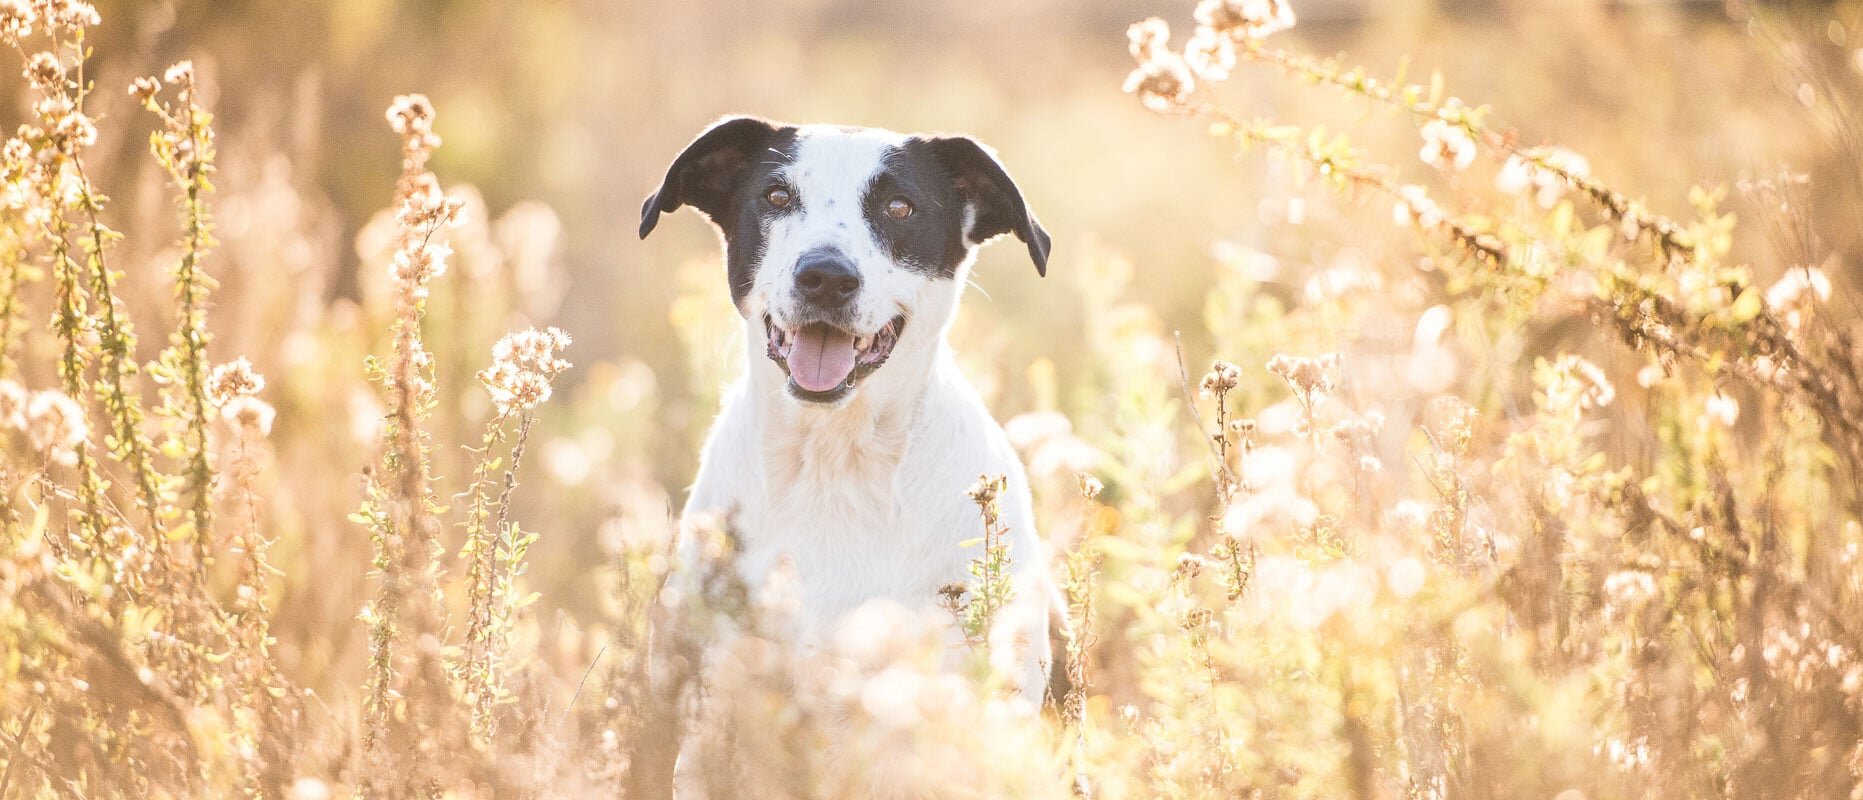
863,343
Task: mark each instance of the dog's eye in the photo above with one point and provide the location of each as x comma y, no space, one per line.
779,196
898,208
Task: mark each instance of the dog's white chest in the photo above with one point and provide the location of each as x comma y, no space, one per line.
837,569
873,510
855,521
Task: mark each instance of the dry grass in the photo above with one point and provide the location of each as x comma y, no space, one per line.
1556,498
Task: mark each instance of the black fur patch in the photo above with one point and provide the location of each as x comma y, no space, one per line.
940,177
725,174
931,240
979,179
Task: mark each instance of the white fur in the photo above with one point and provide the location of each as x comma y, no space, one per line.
866,498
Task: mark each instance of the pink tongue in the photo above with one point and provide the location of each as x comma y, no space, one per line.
822,358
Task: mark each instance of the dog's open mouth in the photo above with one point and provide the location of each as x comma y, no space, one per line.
824,362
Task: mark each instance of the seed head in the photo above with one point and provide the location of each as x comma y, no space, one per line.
524,365
1798,292
145,89
248,412
1162,80
1522,173
988,488
1189,566
1308,376
16,20
1210,54
1245,19
1414,207
1222,379
1446,146
233,380
45,71
182,73
411,116
69,15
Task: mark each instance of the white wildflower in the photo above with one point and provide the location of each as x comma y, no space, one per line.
1414,207
1446,146
524,364
1245,19
1521,174
1723,410
1162,80
249,412
233,380
1798,291
1210,54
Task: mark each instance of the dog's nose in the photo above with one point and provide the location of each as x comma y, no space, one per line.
826,278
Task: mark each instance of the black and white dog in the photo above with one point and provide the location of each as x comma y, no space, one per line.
848,447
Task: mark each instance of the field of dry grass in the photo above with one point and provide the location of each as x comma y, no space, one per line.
1425,401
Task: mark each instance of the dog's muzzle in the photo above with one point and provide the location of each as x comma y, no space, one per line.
825,361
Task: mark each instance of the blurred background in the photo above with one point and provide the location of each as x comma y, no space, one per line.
559,116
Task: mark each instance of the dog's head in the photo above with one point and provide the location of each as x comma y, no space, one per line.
844,245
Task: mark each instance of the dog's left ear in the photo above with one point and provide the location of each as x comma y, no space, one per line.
986,186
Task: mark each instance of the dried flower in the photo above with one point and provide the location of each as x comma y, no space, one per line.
1189,565
45,71
1222,379
247,411
68,14
1446,146
427,207
1210,54
523,366
1414,207
415,267
1245,19
1308,376
1798,291
182,73
411,116
987,488
1162,80
145,89
233,380
16,20
1148,38
76,128
1723,409
1521,173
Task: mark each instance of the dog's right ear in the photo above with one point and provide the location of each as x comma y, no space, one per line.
706,173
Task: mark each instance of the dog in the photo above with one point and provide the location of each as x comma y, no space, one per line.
848,446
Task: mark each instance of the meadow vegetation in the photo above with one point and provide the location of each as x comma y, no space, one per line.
1533,488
